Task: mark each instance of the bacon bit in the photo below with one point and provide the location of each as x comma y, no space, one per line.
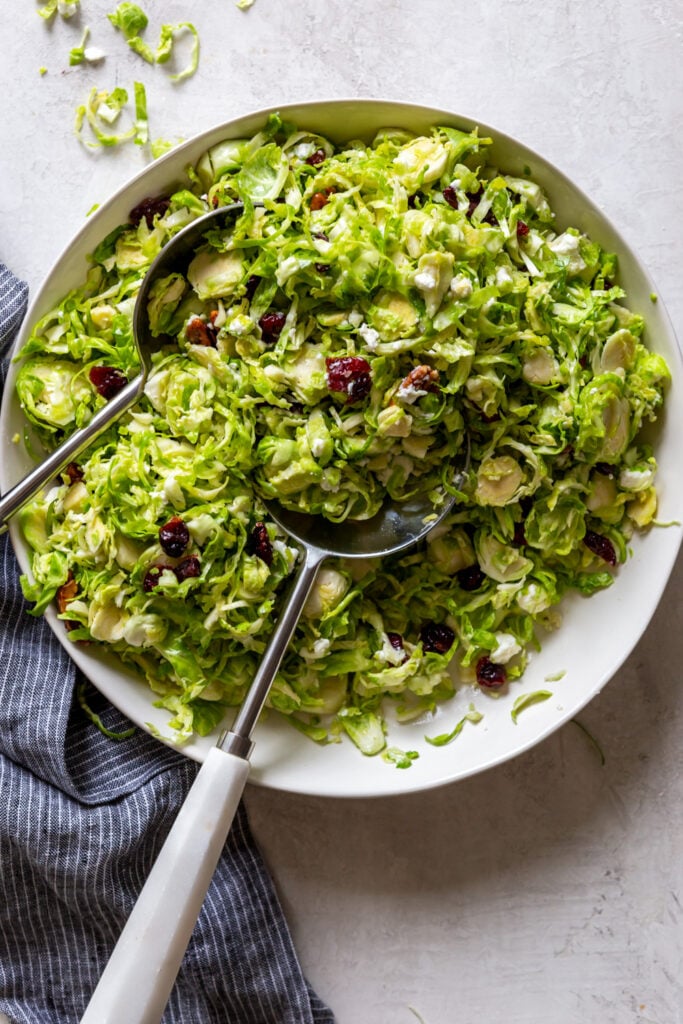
149,209
601,546
490,675
451,196
259,543
198,332
65,595
107,381
316,158
349,375
74,472
422,378
320,199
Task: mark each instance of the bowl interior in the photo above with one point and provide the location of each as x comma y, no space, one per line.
597,634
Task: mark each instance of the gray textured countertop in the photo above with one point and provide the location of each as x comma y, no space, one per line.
549,890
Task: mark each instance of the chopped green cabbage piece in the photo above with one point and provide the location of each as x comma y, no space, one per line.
459,308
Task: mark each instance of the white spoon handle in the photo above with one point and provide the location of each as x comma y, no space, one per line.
138,979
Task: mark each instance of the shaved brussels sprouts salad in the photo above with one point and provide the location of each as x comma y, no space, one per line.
371,307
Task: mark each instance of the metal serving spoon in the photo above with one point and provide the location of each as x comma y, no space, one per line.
138,979
169,259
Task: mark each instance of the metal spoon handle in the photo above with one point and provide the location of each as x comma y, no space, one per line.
238,739
137,981
69,450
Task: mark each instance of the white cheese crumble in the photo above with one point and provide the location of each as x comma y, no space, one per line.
461,286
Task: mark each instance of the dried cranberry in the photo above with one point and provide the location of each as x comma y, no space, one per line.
451,196
522,229
519,536
605,469
322,268
490,675
149,209
271,325
601,546
316,158
350,375
152,577
174,537
74,472
436,637
470,578
259,543
396,641
188,568
252,284
474,198
198,332
107,381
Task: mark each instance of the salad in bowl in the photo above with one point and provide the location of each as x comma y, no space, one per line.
377,304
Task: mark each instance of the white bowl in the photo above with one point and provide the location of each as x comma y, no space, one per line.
597,634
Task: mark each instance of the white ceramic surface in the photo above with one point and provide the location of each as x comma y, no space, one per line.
597,634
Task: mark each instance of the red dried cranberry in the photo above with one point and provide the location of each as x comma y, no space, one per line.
436,637
451,196
519,536
322,268
349,375
107,381
316,158
522,229
271,325
259,543
601,546
490,675
474,198
198,332
74,472
470,578
149,209
188,568
152,577
396,641
252,284
174,537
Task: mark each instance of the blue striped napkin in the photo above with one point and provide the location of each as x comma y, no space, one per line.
82,818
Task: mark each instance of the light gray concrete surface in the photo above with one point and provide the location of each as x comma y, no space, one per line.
550,890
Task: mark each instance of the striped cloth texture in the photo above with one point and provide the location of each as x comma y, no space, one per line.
82,818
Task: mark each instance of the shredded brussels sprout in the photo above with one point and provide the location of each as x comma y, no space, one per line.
372,306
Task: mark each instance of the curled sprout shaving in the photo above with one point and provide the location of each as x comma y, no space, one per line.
103,109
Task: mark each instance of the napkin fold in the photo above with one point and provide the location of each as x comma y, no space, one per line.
82,818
